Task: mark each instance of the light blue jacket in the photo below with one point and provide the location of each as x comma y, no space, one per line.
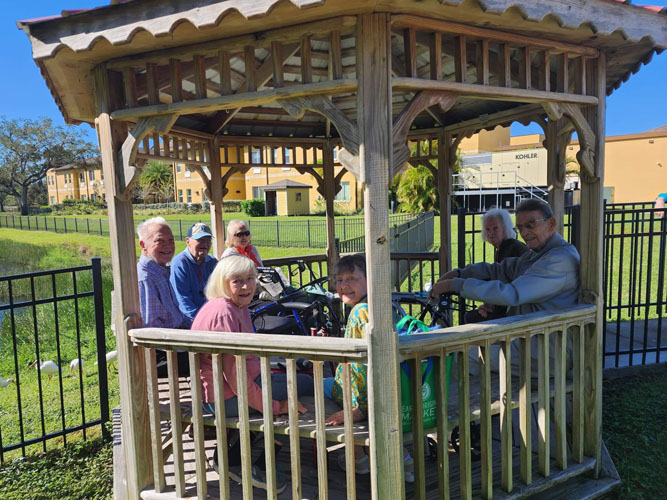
188,280
535,281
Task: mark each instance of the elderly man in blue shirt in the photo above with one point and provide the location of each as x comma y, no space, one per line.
159,306
191,269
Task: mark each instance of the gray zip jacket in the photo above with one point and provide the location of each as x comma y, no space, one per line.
535,281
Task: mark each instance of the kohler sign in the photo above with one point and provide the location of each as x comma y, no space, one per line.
525,156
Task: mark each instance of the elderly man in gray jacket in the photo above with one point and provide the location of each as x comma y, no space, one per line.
544,279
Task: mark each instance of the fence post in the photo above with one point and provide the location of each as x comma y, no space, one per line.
277,232
576,225
461,252
28,222
180,229
100,226
55,227
76,224
344,233
98,299
21,221
308,221
87,225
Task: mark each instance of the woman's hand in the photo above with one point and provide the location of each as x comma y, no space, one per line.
339,417
283,407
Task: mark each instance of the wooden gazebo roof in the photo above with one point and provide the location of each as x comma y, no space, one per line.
144,35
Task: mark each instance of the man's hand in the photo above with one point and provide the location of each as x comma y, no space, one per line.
454,273
339,417
440,287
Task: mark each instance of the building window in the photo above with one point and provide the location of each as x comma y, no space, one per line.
180,196
187,172
256,157
91,175
53,200
344,193
256,170
178,168
297,196
82,177
288,155
189,195
257,192
83,197
335,154
93,197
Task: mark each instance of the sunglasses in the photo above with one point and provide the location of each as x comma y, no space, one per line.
240,234
529,225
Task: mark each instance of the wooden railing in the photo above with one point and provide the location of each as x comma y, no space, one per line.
560,332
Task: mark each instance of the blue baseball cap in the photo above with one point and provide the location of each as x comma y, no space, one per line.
199,230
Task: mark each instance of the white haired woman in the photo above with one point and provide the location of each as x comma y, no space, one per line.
238,242
498,231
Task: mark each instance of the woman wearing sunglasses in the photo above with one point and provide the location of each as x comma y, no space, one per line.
238,242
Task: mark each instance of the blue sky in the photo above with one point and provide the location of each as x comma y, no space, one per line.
639,105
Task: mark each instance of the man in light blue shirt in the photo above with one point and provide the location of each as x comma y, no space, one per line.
191,269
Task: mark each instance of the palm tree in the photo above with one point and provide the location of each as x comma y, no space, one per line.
157,178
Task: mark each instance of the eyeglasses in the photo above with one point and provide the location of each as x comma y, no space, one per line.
529,225
241,234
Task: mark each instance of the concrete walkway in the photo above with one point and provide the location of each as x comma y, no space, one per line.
642,335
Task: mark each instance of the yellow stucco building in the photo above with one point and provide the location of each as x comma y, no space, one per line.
76,182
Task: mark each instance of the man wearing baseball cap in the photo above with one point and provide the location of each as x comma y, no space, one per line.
191,268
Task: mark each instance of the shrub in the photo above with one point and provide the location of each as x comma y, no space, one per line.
254,207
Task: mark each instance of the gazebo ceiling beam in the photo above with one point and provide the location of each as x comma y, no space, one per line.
495,119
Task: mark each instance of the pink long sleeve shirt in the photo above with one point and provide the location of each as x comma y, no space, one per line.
222,315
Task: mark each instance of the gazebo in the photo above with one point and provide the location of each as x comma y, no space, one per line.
201,81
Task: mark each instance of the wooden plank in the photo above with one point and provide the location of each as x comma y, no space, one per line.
580,86
563,76
200,77
417,427
524,68
505,370
410,52
269,446
435,54
350,472
156,429
176,80
482,61
216,196
152,84
295,449
442,398
525,400
176,423
244,429
249,59
276,53
485,421
198,425
130,85
224,72
578,395
545,70
401,21
322,480
543,407
560,418
487,92
465,465
460,59
221,430
241,100
445,168
374,118
335,56
306,61
505,65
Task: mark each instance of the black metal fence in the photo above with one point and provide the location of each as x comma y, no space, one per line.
52,335
296,232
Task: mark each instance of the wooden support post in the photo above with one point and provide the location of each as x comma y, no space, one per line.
592,200
445,163
215,197
460,59
525,399
505,371
555,173
436,56
375,132
126,313
329,195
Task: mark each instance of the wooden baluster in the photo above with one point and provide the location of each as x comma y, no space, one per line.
176,423
435,54
146,146
578,394
244,427
543,407
417,426
410,48
482,58
166,145
320,431
152,84
545,71
269,446
130,85
560,419
198,425
442,395
249,56
306,61
485,421
349,434
277,59
224,72
524,68
221,428
176,80
464,424
335,57
200,77
524,410
580,75
461,59
156,144
505,369
154,418
504,65
563,76
294,444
